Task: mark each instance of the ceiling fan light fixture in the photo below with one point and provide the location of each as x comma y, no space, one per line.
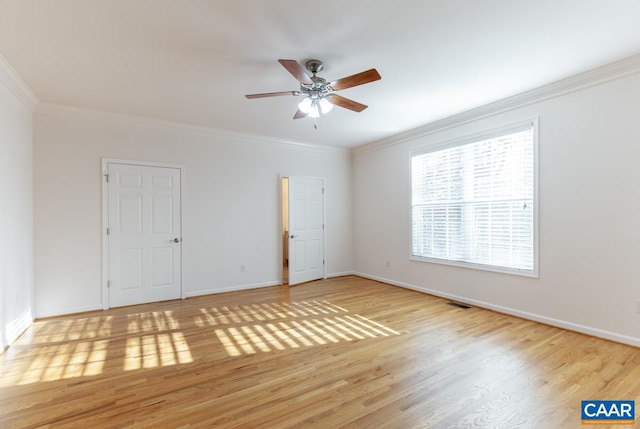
314,110
305,105
325,106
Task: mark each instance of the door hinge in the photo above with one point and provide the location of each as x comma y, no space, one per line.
108,283
323,262
106,176
323,191
107,231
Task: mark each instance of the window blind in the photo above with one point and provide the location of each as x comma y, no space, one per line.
474,202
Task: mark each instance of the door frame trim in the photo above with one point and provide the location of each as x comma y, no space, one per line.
324,222
105,219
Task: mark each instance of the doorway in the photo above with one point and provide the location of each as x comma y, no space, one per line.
143,233
303,229
285,230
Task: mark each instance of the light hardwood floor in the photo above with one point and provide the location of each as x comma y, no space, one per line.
345,352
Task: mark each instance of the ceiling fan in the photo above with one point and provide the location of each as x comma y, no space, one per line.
319,95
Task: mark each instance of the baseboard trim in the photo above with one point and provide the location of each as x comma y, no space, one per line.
17,327
68,312
344,274
569,326
232,289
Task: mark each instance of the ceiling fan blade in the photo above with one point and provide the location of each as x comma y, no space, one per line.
297,71
341,101
300,114
355,80
272,94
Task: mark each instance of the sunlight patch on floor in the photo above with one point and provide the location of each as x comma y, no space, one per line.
267,327
61,361
81,347
65,349
159,342
57,331
152,351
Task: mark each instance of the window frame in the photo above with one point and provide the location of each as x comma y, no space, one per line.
469,139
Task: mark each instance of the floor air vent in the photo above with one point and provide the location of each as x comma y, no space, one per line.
459,305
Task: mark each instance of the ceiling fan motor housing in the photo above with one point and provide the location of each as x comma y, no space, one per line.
314,66
319,87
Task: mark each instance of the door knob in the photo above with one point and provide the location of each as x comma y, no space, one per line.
293,236
176,240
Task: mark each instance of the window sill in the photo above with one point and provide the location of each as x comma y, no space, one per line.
502,270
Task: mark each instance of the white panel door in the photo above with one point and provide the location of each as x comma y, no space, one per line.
144,239
306,229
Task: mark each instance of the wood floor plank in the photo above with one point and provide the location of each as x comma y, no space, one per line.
339,353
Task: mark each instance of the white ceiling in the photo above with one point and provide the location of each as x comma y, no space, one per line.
191,61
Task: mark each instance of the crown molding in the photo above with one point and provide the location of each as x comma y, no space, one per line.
597,76
141,122
17,85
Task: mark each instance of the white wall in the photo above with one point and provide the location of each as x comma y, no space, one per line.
589,281
16,209
231,191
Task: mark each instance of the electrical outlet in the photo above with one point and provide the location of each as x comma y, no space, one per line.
243,268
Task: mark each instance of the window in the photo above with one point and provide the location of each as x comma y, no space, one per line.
473,202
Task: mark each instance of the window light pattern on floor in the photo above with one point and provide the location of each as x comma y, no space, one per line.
267,327
68,349
91,346
156,341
